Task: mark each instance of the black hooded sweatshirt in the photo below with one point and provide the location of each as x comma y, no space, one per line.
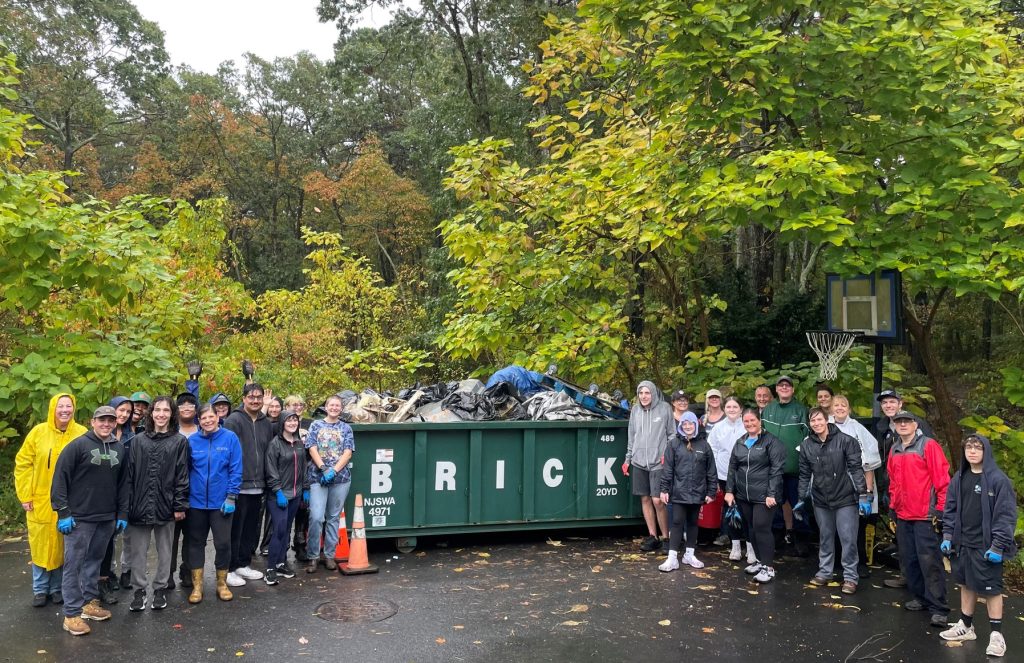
89,480
998,506
255,436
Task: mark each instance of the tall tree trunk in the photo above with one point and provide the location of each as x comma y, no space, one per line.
947,427
987,313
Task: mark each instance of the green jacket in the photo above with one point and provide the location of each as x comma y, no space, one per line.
788,422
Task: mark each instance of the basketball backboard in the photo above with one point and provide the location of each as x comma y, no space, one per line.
868,304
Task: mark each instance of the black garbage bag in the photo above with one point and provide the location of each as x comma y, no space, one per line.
432,393
505,399
469,407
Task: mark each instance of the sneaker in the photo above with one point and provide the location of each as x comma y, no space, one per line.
818,581
264,552
93,610
126,580
114,584
330,564
235,580
270,577
650,544
722,540
751,555
285,570
107,595
996,644
693,561
736,554
766,574
753,568
898,582
849,587
248,573
76,626
39,600
913,605
159,599
57,598
940,621
311,566
664,545
959,632
138,603
669,565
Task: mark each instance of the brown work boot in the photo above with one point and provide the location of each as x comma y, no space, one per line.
331,564
223,593
93,610
197,586
898,582
76,626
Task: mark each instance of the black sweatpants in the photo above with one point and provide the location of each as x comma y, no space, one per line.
200,523
758,519
921,563
181,534
245,530
683,513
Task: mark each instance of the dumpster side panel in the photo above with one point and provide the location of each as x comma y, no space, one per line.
384,472
501,472
448,478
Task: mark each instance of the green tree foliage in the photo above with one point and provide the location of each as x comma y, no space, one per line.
887,132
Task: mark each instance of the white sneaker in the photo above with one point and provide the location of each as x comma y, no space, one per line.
753,568
736,554
996,644
235,580
767,574
751,555
670,564
959,632
693,561
249,573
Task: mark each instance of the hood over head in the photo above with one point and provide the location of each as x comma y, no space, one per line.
692,418
51,412
656,395
988,462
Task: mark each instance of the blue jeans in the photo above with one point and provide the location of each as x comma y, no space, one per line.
46,582
325,504
281,525
83,554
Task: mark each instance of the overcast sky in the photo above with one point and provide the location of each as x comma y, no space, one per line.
204,33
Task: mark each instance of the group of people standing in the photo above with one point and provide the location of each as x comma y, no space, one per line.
171,472
780,462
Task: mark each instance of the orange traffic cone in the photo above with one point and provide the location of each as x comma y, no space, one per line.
358,562
341,550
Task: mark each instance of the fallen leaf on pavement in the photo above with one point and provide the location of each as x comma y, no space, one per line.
706,588
579,607
483,554
459,570
303,641
840,606
552,542
571,623
708,629
752,591
953,643
458,627
596,569
665,622
440,641
177,626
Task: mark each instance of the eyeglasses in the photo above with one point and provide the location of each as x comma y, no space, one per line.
254,397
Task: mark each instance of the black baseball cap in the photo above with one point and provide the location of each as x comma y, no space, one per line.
888,393
678,394
904,414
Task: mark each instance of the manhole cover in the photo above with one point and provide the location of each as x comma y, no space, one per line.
357,611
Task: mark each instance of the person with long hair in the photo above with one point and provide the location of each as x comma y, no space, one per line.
158,490
688,481
215,477
33,475
722,439
754,483
287,486
331,444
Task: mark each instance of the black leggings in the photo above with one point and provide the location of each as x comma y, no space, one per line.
681,512
200,523
758,519
181,533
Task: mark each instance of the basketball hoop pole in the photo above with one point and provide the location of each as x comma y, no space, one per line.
876,408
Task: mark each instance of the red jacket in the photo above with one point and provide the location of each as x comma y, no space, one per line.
918,478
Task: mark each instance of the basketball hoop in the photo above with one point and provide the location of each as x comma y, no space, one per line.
830,346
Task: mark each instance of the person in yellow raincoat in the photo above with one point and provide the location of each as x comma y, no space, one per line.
33,474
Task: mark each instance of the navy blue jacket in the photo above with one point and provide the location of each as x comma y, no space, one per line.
215,468
998,506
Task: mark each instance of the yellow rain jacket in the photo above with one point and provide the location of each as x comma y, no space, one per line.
33,474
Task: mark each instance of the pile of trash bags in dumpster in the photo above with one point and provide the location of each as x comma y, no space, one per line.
511,394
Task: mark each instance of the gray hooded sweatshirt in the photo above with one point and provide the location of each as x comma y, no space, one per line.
650,429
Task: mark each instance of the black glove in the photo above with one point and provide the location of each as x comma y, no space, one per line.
248,370
194,368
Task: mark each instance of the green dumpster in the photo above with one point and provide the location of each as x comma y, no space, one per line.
419,479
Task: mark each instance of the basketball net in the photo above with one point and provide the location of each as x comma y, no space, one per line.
830,347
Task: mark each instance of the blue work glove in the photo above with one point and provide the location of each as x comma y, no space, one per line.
993,556
798,511
865,506
282,499
946,547
305,496
328,476
228,507
120,525
65,525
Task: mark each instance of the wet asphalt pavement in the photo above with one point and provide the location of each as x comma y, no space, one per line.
516,597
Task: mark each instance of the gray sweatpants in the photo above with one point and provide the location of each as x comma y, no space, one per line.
137,542
843,521
84,549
